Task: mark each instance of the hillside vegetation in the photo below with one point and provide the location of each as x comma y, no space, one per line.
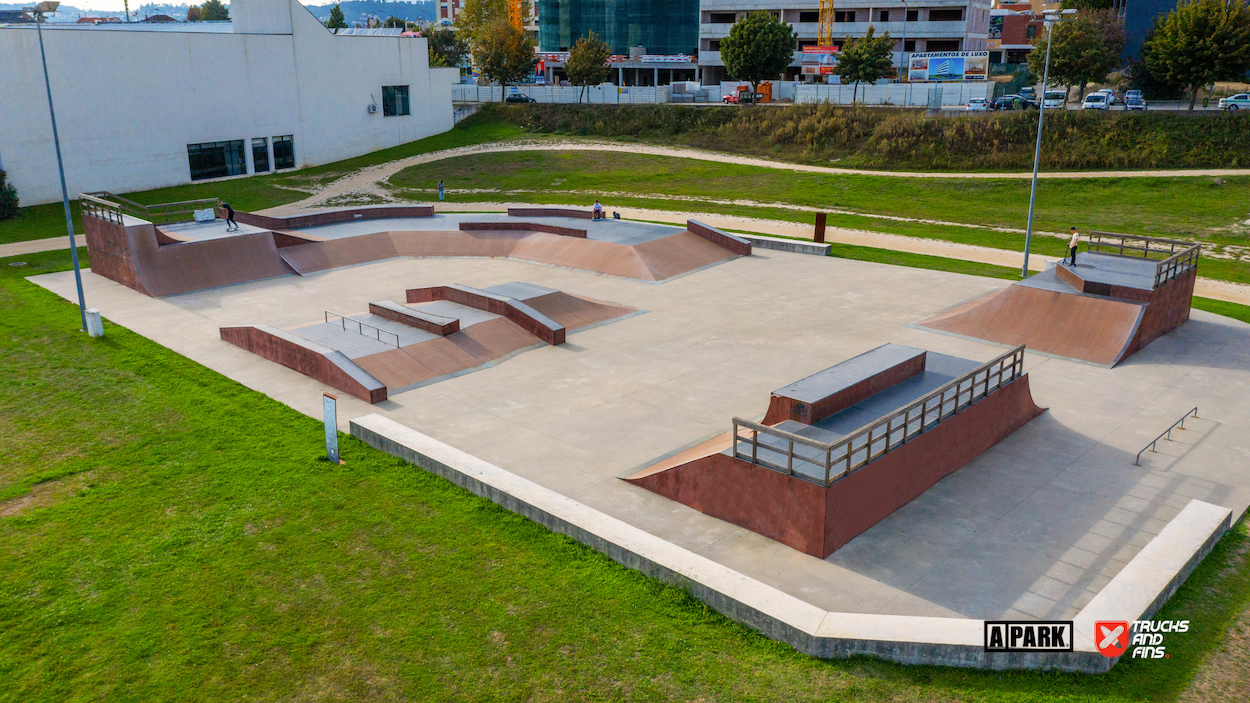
908,139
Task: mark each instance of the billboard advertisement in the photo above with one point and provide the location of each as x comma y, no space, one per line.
819,60
944,66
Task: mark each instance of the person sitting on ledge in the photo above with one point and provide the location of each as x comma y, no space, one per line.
1072,245
598,211
616,215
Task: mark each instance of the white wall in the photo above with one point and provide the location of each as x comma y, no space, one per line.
129,102
913,94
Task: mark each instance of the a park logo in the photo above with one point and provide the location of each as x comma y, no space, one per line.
1111,637
1034,636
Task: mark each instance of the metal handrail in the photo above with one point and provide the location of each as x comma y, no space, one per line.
1177,265
1168,433
378,331
100,209
868,443
160,213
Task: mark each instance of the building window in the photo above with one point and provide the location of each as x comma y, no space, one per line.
722,18
713,45
809,16
1030,31
909,45
942,45
216,159
260,155
806,42
885,16
946,15
844,16
913,15
283,152
394,100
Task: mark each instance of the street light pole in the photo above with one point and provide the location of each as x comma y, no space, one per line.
40,10
1050,19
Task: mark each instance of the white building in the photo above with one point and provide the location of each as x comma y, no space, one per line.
150,105
915,26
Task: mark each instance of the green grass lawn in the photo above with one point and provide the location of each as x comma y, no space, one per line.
256,192
167,534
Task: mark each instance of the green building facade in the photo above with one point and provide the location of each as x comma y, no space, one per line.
662,26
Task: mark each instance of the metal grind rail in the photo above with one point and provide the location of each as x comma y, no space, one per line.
159,214
1167,434
360,327
786,451
1179,257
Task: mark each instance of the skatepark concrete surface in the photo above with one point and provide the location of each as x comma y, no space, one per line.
1033,528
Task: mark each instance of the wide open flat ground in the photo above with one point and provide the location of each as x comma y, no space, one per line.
1034,527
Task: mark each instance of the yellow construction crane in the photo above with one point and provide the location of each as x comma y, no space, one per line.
824,28
514,13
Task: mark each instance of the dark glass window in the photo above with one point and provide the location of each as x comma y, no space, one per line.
885,16
913,15
942,45
216,159
394,100
1030,32
713,45
283,152
809,16
909,45
260,155
841,16
723,18
946,15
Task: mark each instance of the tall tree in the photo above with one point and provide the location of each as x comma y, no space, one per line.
759,47
337,21
1082,51
588,63
477,16
214,11
194,14
1198,43
867,60
395,23
503,53
447,48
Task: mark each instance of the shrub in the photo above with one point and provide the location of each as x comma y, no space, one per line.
8,198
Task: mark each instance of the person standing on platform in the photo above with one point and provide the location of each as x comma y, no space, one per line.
231,225
440,191
1072,245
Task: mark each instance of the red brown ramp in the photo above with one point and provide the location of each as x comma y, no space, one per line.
1086,327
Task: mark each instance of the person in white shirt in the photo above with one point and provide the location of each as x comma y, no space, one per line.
1072,244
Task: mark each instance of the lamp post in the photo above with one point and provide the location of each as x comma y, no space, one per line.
39,11
1049,18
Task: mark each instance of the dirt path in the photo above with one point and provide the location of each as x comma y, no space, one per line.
364,184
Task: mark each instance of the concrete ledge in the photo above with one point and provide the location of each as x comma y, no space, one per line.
719,237
778,615
404,315
315,360
522,227
550,212
528,318
794,246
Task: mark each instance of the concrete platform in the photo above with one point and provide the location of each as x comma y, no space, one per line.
625,232
1033,528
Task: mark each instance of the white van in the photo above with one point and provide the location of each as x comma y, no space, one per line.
1055,99
1095,101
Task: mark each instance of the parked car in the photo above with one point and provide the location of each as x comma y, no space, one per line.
519,98
1028,93
1013,102
1134,103
1133,94
977,105
1055,99
1110,95
741,97
1241,101
1095,101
